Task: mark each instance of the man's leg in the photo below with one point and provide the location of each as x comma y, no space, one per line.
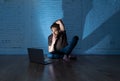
72,45
56,55
67,50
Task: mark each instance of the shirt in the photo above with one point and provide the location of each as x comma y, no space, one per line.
61,41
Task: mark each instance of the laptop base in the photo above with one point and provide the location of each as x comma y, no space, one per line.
36,55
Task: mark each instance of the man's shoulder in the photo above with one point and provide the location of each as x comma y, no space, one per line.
50,36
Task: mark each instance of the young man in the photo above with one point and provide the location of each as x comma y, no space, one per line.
57,41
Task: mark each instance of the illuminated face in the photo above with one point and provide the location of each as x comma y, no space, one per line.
55,31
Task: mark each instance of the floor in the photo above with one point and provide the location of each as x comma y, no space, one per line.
85,68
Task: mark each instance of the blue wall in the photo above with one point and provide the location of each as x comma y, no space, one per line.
101,28
25,23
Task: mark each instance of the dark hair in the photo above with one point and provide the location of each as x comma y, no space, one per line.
55,25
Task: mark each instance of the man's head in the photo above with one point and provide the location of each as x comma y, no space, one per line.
55,28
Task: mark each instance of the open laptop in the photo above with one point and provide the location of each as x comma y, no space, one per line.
37,56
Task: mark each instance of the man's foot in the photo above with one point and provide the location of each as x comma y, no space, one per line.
66,58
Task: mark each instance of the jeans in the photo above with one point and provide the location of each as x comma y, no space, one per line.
66,50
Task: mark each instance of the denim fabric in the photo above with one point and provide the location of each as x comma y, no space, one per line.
54,56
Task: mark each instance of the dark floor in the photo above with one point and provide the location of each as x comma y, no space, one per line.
85,68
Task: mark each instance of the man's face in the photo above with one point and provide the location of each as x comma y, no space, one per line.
55,31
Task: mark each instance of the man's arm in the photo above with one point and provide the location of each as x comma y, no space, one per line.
51,47
60,22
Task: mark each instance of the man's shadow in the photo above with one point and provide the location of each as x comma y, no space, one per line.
74,14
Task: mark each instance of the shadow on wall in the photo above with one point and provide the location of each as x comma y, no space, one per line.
111,28
74,14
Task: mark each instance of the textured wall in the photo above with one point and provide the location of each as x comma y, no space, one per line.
13,17
25,23
101,28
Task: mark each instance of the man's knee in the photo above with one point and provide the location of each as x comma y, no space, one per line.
74,41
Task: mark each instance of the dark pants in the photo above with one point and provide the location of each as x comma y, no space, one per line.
66,50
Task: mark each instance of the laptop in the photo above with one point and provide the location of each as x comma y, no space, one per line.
37,56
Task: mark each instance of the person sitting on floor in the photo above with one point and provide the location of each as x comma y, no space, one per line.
57,41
